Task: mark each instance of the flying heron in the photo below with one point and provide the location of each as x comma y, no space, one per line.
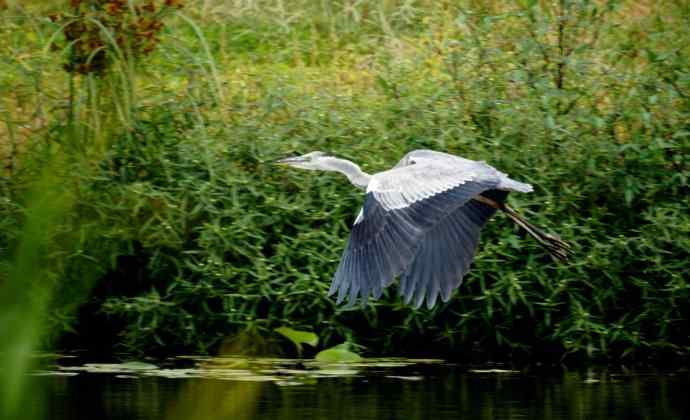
420,222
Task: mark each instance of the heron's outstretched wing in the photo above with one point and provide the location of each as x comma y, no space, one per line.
446,252
402,205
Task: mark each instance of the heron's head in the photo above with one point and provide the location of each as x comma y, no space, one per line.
312,161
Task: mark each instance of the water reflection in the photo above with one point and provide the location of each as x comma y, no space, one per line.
374,390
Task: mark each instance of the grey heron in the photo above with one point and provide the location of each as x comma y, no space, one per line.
420,222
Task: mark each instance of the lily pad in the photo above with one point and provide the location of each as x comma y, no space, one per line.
137,366
53,373
338,354
111,367
494,371
405,378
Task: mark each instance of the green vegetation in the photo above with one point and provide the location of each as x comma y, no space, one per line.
340,353
299,337
171,233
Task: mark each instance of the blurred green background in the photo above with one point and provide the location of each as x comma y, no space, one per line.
139,215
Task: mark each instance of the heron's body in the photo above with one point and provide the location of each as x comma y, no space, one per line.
420,222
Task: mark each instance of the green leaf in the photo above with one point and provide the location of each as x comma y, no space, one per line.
550,122
135,365
298,337
338,354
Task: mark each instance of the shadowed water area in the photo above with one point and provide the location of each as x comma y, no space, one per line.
237,388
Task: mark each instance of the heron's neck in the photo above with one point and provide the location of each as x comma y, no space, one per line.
356,176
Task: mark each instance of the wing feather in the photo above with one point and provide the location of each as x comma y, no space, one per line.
445,254
383,244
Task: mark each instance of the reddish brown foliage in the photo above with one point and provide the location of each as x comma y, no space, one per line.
135,30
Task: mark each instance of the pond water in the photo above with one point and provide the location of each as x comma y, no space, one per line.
239,388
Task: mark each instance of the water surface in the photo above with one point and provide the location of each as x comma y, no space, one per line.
237,388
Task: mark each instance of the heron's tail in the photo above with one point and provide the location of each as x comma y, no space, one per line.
558,249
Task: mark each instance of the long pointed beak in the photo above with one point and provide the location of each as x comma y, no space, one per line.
288,160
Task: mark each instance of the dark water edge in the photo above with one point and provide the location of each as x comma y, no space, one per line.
236,388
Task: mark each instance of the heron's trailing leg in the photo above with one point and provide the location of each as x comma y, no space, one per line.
552,243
